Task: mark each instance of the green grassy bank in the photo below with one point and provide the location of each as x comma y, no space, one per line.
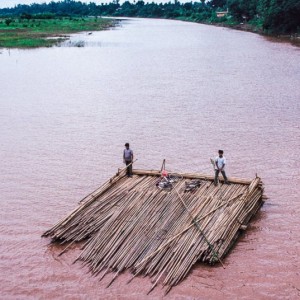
36,31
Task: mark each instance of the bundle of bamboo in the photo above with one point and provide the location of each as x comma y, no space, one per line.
130,224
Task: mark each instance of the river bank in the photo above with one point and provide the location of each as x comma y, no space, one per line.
249,27
291,38
37,32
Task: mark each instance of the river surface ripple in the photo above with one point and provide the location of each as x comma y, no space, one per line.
174,90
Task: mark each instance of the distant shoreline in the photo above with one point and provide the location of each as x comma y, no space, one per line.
36,33
294,39
43,32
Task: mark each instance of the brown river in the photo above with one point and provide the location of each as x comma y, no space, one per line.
174,90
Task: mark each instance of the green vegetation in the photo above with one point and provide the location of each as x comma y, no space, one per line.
44,30
275,17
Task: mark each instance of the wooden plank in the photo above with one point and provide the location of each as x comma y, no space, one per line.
193,176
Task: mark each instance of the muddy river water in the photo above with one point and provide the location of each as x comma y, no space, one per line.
174,90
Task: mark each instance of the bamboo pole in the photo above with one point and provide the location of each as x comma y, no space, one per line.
131,224
193,176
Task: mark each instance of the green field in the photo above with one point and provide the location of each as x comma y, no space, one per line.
34,32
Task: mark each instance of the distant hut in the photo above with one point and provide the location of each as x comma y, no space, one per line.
221,14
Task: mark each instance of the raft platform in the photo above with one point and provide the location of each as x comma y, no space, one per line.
130,224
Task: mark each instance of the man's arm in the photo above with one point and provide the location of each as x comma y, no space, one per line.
131,155
223,164
217,165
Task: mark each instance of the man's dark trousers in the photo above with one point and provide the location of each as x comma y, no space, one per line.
223,174
129,168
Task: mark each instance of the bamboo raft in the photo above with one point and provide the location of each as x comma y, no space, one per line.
128,223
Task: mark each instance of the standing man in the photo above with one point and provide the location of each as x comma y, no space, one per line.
220,162
128,159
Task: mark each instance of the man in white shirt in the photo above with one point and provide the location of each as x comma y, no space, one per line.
220,162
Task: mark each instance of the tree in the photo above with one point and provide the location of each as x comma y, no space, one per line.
217,3
282,16
8,21
242,10
26,16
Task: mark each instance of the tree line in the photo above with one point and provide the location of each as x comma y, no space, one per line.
272,16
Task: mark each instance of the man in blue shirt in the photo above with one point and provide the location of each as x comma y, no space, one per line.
128,159
220,162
